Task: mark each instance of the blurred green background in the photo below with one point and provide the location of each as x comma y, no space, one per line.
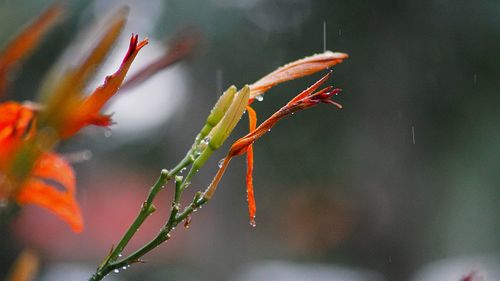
402,184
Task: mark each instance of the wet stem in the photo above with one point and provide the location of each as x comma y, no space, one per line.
112,261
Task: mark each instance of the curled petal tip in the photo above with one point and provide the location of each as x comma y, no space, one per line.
338,105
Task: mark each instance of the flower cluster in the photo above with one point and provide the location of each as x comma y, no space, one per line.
30,171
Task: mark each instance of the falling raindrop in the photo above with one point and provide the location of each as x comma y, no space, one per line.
324,36
107,133
259,98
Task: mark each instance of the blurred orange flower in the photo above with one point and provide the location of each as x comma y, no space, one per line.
50,183
30,172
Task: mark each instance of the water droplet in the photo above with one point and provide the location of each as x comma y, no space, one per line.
259,98
183,170
120,255
107,133
252,222
206,140
220,163
124,267
116,270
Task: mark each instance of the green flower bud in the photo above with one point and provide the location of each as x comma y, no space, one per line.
218,111
233,114
224,127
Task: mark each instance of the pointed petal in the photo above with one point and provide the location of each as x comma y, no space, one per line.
296,69
26,41
63,204
252,118
63,94
99,52
87,113
311,88
112,83
179,47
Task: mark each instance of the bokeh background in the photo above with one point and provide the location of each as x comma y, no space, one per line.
402,184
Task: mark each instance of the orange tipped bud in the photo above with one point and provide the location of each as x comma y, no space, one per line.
296,69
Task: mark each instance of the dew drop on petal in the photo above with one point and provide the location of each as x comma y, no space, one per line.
219,164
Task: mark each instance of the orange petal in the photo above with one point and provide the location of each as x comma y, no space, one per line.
14,119
112,83
26,41
179,47
311,88
88,111
61,203
296,69
99,52
252,118
14,122
64,93
53,167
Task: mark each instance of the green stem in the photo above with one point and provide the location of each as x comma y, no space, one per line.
147,209
160,238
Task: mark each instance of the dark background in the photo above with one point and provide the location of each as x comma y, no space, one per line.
402,184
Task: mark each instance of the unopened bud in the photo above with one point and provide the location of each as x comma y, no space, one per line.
226,125
218,111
